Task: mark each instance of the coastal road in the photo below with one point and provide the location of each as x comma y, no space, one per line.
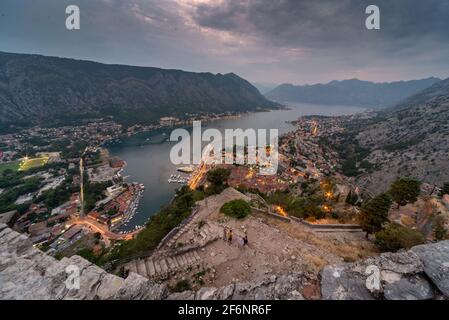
206,158
102,229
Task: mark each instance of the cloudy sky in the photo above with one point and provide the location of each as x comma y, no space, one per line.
268,41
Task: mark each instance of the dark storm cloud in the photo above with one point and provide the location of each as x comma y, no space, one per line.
262,40
328,23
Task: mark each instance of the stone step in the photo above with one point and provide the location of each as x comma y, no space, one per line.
150,267
189,258
184,261
131,266
337,230
157,267
141,269
180,261
163,265
172,263
196,255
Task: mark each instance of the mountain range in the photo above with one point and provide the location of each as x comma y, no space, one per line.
351,92
409,139
36,89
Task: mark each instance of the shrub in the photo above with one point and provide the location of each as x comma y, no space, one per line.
238,209
182,285
395,237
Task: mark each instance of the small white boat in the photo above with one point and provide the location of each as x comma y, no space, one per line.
188,169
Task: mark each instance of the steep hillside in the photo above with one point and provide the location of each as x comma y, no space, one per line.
37,89
410,140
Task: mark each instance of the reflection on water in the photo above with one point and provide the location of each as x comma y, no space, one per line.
147,154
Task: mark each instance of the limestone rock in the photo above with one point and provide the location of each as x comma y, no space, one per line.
225,293
435,258
206,294
339,283
416,288
401,275
186,295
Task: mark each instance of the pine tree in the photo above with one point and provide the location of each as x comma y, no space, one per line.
374,213
405,191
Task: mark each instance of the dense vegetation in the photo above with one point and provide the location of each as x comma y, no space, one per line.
238,209
217,179
17,183
395,237
65,91
55,197
350,153
374,213
405,190
93,192
8,197
159,225
307,206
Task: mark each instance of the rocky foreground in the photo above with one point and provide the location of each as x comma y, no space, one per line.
28,273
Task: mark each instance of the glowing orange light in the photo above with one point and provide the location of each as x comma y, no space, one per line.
281,211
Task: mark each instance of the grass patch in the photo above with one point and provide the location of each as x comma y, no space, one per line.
28,164
14,166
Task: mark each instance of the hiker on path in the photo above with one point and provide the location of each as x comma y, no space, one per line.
230,236
245,240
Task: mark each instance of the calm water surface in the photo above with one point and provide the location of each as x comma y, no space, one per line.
148,159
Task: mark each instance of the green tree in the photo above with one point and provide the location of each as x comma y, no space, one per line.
238,209
395,237
374,213
218,176
218,179
405,190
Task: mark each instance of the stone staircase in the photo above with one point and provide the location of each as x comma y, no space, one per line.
210,232
163,267
184,229
196,236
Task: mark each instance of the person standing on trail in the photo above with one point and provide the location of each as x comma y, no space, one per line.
245,240
230,236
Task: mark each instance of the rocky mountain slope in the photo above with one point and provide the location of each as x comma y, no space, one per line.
37,89
411,139
351,92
